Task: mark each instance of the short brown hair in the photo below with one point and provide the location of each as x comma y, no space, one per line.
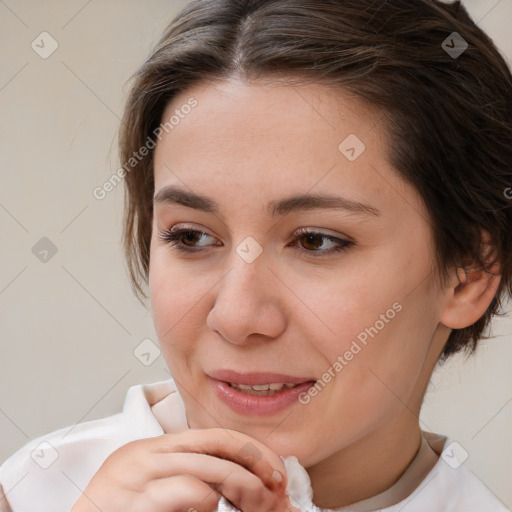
449,117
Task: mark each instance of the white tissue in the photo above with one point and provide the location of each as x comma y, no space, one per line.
298,489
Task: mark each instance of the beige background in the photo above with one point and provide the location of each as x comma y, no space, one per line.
69,326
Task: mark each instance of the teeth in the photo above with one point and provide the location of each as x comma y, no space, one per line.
263,389
241,386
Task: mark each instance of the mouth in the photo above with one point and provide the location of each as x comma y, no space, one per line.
256,394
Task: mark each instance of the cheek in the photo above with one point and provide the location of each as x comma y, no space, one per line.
171,316
375,320
381,358
167,293
178,302
350,307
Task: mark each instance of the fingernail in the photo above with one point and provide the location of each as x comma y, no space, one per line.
277,476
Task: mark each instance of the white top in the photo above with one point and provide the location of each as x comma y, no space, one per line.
48,473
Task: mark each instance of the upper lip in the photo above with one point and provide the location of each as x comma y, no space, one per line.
254,378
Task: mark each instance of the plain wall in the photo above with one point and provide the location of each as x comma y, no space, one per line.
68,326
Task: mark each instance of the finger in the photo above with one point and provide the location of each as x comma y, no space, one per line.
231,445
242,487
183,493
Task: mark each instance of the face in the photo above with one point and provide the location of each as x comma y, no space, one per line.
334,294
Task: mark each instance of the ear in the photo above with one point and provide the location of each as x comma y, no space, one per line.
471,291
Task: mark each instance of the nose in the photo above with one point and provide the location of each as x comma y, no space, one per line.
248,306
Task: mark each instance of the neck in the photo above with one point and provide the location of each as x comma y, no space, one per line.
368,467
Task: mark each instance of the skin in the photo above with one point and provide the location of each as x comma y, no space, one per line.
289,312
186,472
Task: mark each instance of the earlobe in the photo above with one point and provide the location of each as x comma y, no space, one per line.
469,299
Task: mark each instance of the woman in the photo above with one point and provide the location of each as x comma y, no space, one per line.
317,201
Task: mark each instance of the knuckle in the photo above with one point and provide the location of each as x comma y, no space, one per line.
257,498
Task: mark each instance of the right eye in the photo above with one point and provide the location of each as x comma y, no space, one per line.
183,239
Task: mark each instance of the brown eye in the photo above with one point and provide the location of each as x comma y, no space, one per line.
311,242
183,239
190,236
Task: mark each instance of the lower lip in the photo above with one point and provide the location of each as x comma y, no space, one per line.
252,405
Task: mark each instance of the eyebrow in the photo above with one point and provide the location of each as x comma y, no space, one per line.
175,195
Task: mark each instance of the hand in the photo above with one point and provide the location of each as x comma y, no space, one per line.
188,472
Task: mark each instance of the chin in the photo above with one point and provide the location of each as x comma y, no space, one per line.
303,448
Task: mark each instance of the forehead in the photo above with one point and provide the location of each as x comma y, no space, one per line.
270,110
262,140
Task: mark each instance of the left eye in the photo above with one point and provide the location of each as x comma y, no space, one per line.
313,239
185,240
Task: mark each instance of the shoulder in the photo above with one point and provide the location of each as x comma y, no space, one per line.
450,486
49,472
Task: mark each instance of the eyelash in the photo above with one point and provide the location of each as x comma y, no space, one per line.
173,236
